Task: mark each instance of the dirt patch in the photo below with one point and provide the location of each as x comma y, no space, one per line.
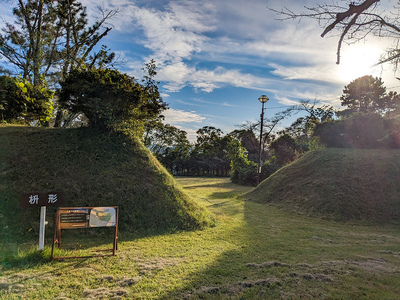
89,270
209,290
263,282
204,292
125,281
10,286
318,276
303,265
15,288
5,285
19,276
372,265
375,265
389,252
101,293
150,266
108,278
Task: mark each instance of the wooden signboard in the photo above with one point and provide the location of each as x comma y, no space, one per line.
85,217
37,199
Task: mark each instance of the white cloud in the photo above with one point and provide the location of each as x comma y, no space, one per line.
313,72
180,75
190,134
177,32
177,116
184,120
196,43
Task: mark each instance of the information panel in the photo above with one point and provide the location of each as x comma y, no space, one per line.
102,217
74,218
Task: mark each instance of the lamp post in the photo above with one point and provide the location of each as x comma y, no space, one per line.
263,99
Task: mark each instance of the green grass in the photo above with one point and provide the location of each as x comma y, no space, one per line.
339,184
255,251
92,168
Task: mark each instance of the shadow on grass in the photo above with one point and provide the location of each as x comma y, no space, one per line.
22,251
222,195
23,260
231,274
279,254
77,242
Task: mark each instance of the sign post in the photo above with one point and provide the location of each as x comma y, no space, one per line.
41,199
85,217
42,227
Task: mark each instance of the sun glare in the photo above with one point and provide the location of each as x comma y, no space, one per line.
357,61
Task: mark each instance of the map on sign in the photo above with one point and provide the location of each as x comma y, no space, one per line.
102,217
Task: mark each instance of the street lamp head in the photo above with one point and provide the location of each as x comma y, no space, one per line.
263,99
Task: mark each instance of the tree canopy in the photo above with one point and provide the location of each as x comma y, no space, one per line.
370,119
109,99
23,102
48,38
367,94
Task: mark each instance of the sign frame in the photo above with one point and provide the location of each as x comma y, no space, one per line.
74,216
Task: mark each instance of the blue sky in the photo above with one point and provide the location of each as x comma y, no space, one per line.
215,58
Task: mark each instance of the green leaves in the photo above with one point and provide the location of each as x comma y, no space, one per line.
367,94
109,99
23,102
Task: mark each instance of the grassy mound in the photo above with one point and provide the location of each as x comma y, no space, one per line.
92,169
340,184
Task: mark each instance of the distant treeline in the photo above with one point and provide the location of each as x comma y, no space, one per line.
370,120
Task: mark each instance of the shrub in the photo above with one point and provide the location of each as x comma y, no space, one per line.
362,131
110,99
22,102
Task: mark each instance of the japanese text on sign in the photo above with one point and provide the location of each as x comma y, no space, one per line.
73,218
41,199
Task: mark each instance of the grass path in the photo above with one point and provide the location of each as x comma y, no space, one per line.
254,252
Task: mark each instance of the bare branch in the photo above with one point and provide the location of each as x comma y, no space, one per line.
354,22
353,9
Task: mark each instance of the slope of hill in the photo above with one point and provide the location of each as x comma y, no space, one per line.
92,169
340,184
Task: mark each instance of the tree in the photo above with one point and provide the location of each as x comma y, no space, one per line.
77,39
21,101
50,37
24,44
302,129
367,94
170,145
207,149
362,131
354,20
304,126
152,105
243,170
285,149
249,141
109,99
369,121
269,126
